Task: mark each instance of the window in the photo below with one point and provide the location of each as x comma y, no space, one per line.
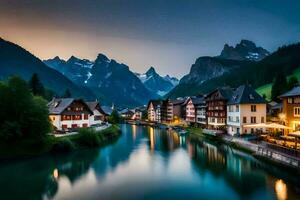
262,120
297,100
253,108
74,126
84,125
237,108
64,126
290,100
253,120
244,119
297,111
86,116
237,119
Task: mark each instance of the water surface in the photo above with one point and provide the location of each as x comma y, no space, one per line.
147,163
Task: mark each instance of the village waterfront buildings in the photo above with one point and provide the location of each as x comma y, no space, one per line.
245,107
224,110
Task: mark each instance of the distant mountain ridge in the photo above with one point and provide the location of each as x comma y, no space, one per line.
113,82
15,60
156,83
257,73
245,50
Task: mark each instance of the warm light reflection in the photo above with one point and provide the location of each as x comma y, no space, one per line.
152,142
281,190
55,173
133,132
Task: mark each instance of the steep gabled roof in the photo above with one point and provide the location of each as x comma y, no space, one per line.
225,92
293,92
155,103
196,100
95,105
58,105
245,94
178,101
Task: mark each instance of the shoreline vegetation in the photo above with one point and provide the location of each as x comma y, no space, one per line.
87,138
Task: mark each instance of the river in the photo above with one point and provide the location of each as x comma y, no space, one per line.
147,163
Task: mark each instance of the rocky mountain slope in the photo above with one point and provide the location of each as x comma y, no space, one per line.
109,80
257,73
245,50
156,83
14,60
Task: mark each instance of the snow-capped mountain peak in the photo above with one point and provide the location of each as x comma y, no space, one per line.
156,83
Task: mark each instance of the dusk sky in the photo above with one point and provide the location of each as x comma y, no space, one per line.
166,34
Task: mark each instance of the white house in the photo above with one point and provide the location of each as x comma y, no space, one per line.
98,114
245,107
201,118
154,111
69,113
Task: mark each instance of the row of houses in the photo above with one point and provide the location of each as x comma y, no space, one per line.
222,110
71,113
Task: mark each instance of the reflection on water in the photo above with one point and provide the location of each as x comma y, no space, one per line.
147,163
281,190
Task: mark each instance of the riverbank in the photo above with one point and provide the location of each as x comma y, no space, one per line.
259,151
23,149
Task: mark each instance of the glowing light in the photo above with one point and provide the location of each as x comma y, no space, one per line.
55,173
152,138
281,190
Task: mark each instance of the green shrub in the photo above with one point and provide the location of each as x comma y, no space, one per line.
88,137
63,145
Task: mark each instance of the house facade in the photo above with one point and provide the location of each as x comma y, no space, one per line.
137,114
154,111
190,115
195,111
69,113
245,107
216,103
201,118
172,110
291,108
98,115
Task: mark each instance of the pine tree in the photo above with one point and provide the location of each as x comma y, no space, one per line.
279,86
67,94
292,82
36,86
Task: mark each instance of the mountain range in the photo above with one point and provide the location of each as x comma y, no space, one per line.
113,82
15,60
234,66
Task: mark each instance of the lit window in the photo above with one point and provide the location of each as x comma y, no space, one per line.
290,100
297,111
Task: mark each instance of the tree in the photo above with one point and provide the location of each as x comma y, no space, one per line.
292,82
36,86
279,86
114,117
22,115
67,94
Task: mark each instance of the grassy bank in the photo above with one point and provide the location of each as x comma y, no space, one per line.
87,138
